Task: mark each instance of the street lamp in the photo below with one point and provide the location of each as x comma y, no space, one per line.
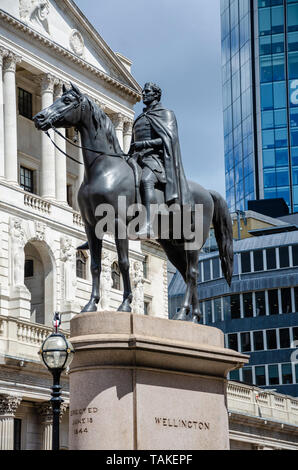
57,354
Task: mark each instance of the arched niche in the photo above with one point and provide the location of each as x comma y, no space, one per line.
39,279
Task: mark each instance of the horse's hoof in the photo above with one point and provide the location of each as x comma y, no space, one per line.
182,314
90,307
125,307
196,319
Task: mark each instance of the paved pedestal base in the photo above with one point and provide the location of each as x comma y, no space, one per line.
144,383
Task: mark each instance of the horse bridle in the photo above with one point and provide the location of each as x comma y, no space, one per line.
98,152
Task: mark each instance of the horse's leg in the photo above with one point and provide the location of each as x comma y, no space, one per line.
123,260
95,245
196,311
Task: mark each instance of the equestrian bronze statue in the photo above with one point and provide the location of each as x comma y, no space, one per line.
151,173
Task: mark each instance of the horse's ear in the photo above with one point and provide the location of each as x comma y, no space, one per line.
64,89
76,89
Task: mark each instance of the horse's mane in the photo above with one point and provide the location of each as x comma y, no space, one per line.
102,121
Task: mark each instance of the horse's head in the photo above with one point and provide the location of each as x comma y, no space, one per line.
64,112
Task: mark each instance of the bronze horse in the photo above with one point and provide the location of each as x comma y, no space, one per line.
108,176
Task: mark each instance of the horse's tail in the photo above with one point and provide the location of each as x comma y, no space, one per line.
223,230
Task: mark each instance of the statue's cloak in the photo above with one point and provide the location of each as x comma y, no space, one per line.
163,122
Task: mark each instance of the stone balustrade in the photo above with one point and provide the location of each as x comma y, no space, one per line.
37,203
259,403
22,339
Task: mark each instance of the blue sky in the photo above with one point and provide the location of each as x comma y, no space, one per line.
175,43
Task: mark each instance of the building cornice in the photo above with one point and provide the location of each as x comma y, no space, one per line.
135,95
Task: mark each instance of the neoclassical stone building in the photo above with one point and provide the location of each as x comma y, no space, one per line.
43,45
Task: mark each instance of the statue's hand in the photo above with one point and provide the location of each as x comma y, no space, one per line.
136,146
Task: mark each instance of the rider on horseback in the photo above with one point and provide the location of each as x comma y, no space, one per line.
155,146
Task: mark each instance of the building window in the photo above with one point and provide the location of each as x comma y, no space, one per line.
27,179
286,373
146,308
29,268
245,342
69,194
25,103
208,312
284,260
258,260
271,339
233,341
258,340
234,375
260,375
217,309
271,258
273,302
235,306
81,263
286,300
245,262
17,428
116,276
260,303
295,255
206,268
284,338
215,268
247,305
247,375
273,374
146,267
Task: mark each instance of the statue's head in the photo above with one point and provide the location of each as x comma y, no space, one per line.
151,92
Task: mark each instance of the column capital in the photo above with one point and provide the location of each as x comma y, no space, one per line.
117,120
3,53
10,61
127,128
9,404
58,88
45,410
47,82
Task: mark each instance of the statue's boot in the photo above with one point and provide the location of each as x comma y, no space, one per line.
149,198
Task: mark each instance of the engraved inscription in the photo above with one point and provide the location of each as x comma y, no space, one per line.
182,423
82,419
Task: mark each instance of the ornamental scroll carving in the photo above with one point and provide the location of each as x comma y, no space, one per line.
36,13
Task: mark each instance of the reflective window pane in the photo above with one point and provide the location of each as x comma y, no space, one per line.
258,340
273,374
260,303
273,302
286,373
245,342
271,339
284,337
260,375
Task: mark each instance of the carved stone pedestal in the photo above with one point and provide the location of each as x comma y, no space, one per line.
139,382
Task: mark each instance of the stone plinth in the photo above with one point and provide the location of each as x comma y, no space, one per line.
144,383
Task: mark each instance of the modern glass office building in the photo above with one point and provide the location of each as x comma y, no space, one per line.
260,100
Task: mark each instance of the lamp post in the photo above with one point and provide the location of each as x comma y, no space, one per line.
56,353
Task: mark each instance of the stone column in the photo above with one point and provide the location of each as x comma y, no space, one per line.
127,133
60,170
48,176
10,117
8,407
3,53
118,121
46,413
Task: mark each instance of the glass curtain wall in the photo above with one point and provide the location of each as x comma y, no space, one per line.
237,102
278,58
